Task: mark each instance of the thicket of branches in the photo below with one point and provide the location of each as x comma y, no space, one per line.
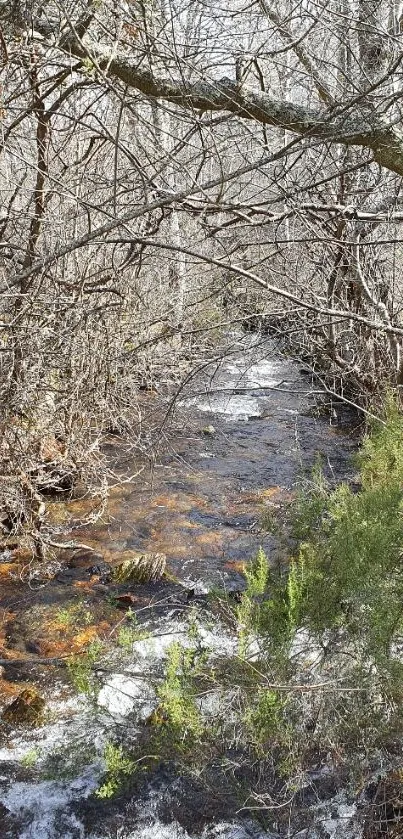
168,169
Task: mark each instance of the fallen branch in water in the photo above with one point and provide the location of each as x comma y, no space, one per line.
78,546
13,542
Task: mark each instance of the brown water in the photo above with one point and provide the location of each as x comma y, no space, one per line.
203,504
204,500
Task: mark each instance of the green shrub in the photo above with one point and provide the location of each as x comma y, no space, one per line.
182,722
119,767
80,668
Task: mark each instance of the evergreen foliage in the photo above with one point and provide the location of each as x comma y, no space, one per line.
178,709
118,768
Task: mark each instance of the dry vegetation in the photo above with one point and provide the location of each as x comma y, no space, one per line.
169,170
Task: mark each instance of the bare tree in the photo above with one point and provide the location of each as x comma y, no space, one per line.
168,169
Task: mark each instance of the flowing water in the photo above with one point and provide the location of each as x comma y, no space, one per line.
245,433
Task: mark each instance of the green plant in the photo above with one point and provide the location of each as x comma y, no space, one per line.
265,717
129,632
265,611
380,459
30,758
310,504
257,574
318,674
118,766
296,589
127,635
182,719
81,668
74,614
89,67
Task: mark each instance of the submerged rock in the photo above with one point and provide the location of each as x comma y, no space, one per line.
85,559
125,601
27,708
139,567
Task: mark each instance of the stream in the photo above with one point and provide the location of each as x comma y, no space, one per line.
245,433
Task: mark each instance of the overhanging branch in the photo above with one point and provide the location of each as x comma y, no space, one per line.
352,124
356,127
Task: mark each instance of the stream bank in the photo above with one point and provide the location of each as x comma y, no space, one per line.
244,434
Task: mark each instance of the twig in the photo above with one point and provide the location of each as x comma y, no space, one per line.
78,546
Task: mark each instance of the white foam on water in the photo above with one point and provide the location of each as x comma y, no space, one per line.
149,825
305,650
42,808
342,823
264,374
195,583
154,829
124,694
237,406
154,648
75,720
226,830
218,640
335,819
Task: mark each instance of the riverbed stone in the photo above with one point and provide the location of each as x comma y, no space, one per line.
136,567
126,601
85,559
